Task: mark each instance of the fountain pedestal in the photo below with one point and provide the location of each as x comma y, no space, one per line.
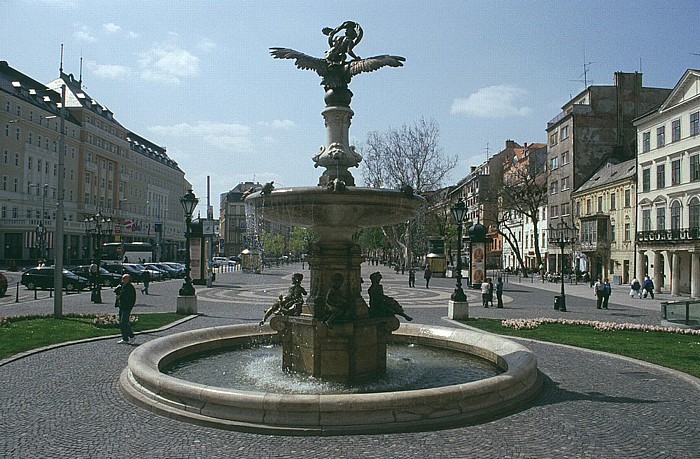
349,352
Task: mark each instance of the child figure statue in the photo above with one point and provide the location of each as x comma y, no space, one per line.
289,304
380,304
336,303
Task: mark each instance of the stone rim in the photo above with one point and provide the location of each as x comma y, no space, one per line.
339,414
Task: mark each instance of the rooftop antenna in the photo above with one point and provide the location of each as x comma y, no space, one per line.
80,78
60,69
583,78
488,152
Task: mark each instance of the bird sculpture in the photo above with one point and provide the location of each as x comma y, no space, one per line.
334,69
267,188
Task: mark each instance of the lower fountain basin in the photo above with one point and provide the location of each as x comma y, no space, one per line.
338,414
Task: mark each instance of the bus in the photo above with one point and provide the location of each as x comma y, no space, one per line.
127,252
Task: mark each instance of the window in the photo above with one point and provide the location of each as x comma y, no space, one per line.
660,136
661,176
564,132
675,130
646,220
565,209
628,232
628,198
695,123
578,208
613,204
6,157
589,207
612,233
29,163
554,187
553,139
675,172
589,231
600,204
694,168
565,158
554,211
553,163
694,216
565,183
660,218
4,183
646,141
676,215
646,180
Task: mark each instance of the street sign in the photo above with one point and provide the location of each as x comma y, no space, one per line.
208,227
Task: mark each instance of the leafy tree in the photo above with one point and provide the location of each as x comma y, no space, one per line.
408,156
273,244
301,240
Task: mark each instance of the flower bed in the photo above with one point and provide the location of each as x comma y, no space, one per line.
529,324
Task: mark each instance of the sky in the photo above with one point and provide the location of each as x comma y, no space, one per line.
197,78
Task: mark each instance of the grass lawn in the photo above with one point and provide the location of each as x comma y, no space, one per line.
680,352
23,334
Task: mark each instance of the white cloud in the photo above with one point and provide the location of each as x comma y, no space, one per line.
168,64
109,71
206,45
83,34
203,128
283,124
111,27
493,102
230,143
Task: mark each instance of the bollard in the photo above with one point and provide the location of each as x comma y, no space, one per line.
35,292
50,293
17,294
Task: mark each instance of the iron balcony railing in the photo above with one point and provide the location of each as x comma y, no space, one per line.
669,235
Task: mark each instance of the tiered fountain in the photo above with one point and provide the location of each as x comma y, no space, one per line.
353,348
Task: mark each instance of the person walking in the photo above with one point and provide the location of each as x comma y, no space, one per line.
648,287
599,292
490,281
499,292
146,282
636,288
94,272
607,291
427,275
411,277
126,299
485,293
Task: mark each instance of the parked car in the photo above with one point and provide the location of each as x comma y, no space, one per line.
125,268
168,271
178,267
3,284
156,274
42,277
107,279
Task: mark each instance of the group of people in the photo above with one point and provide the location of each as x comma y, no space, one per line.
642,290
487,288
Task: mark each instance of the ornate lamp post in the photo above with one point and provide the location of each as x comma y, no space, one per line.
189,201
562,236
459,212
97,226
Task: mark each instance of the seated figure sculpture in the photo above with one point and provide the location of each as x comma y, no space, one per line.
289,304
381,305
336,303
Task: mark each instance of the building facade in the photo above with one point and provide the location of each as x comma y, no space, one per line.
595,125
108,169
668,167
605,213
234,219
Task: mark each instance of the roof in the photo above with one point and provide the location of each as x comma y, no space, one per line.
608,174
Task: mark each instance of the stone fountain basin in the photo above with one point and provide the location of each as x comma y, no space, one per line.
272,413
353,208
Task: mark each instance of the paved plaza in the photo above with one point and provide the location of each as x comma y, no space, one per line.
65,402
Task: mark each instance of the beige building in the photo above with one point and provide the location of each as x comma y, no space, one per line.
668,234
108,169
604,212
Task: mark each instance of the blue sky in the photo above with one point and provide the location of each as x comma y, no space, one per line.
197,77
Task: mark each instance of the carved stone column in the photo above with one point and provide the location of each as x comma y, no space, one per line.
641,266
675,273
658,272
695,274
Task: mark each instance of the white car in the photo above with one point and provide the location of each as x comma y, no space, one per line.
217,262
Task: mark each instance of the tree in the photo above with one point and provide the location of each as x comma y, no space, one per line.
300,241
408,156
273,244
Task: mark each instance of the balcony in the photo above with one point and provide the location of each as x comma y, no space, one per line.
669,236
595,246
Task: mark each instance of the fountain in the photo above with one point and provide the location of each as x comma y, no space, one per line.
335,336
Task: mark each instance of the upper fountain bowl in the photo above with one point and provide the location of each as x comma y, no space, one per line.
337,215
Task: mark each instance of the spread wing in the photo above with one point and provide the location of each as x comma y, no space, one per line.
301,60
371,64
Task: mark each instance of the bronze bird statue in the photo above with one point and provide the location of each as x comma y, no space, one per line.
267,188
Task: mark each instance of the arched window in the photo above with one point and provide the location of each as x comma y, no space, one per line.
694,217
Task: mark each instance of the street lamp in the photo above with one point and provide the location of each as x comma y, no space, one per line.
41,229
459,212
97,226
562,236
189,201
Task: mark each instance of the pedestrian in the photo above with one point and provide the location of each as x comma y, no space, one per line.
485,293
126,299
499,292
636,288
607,291
599,292
146,282
427,275
648,287
411,277
490,281
94,271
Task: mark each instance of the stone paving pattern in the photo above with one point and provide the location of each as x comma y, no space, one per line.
66,402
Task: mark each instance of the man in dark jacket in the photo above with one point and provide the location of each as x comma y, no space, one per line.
126,299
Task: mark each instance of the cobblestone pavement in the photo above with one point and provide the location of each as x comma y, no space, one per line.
65,402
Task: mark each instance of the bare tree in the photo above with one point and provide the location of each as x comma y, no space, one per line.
409,156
